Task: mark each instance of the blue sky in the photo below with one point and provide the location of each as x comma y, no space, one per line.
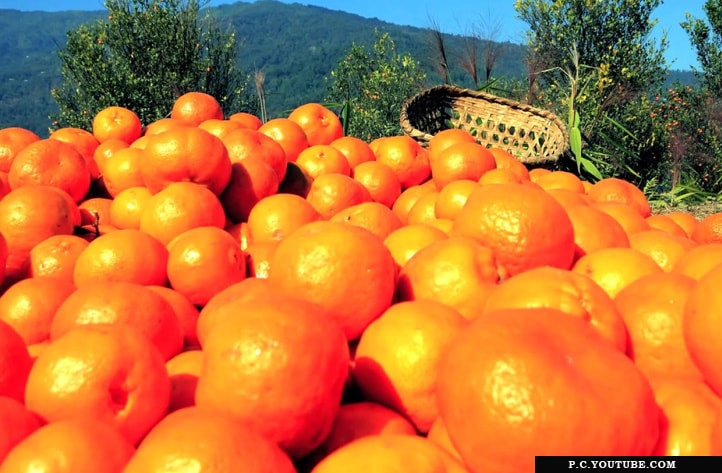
451,16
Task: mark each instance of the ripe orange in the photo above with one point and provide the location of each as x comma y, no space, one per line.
446,138
524,226
184,369
259,257
117,123
193,108
121,303
124,380
500,176
247,120
663,247
424,209
289,134
220,127
84,143
698,261
252,179
381,182
708,230
561,180
53,163
17,421
29,306
127,207
625,214
122,170
686,220
566,291
29,215
314,262
277,216
322,159
105,150
239,232
15,363
355,149
331,193
440,436
12,140
452,198
179,207
594,230
123,255
615,268
406,157
653,311
209,441
613,189
295,181
456,271
568,198
185,154
203,261
373,216
396,359
666,224
390,453
406,241
186,313
506,160
95,210
288,343
408,198
517,383
55,257
248,142
464,160
321,125
159,126
76,445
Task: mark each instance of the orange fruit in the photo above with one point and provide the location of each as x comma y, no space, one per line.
699,326
406,241
331,193
184,369
456,271
210,441
123,255
686,220
239,232
355,149
568,198
408,197
247,142
17,421
185,154
566,291
321,125
75,445
464,160
625,214
55,257
124,381
117,123
380,180
29,306
289,134
252,179
653,311
560,180
423,210
161,125
277,216
443,224
666,224
180,207
220,127
518,383
295,181
322,159
452,198
15,363
314,263
506,160
95,210
83,141
306,365
127,207
51,162
247,120
440,436
203,261
12,140
708,229
259,256
121,303
29,215
406,157
373,216
446,138
390,453
361,419
612,189
615,268
500,176
186,313
105,150
698,261
594,230
524,226
663,247
122,170
396,359
358,277
689,410
193,108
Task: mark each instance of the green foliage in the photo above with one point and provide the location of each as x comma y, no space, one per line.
372,86
145,55
706,38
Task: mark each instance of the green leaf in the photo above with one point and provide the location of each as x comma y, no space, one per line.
575,142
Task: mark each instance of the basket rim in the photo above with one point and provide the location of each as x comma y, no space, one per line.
453,91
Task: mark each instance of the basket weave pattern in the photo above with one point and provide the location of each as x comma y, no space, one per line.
532,135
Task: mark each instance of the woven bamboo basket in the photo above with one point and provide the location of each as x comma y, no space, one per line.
532,135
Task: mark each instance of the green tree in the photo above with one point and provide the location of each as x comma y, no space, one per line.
706,37
372,85
145,55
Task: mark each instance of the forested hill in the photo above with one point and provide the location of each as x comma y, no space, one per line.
295,45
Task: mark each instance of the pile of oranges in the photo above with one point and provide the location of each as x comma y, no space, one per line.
216,294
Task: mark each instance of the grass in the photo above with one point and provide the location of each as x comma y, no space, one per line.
699,210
